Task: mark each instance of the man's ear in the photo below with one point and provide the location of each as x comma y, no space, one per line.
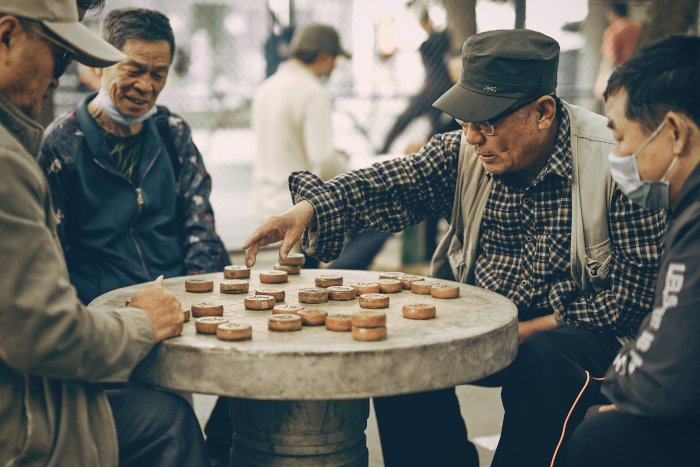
546,108
680,136
9,26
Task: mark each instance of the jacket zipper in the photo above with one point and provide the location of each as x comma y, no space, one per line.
139,204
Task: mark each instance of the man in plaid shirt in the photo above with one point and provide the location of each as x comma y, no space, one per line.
541,158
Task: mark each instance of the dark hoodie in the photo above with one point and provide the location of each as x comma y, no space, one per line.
658,375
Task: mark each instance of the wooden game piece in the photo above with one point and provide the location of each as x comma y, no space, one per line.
407,280
233,286
444,291
389,285
186,315
273,277
391,275
341,293
329,280
289,269
259,302
419,311
422,287
366,287
369,334
277,293
236,272
369,319
374,300
200,310
208,324
313,317
284,323
339,322
294,259
282,309
234,332
199,285
313,295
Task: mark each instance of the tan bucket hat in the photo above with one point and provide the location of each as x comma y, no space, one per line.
61,18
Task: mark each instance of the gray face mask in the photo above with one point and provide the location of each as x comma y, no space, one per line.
650,194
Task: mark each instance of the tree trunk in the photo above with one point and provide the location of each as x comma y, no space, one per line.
667,17
461,21
520,14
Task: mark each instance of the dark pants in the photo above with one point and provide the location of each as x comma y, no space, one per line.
359,251
156,428
540,387
219,432
617,439
424,429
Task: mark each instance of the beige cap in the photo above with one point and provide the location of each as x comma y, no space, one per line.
318,38
61,18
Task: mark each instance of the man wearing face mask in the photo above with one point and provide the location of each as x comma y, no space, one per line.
653,107
130,189
534,215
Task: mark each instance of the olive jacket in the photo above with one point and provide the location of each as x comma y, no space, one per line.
53,351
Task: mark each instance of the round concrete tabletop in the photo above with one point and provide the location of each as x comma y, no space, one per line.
473,336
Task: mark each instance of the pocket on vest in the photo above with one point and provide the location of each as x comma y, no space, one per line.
598,265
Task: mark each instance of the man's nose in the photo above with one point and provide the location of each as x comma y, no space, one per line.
473,135
143,85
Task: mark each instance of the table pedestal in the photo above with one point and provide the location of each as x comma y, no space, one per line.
299,433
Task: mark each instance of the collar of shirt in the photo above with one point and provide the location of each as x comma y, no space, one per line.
559,161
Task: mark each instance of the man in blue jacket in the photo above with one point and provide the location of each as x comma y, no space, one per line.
130,189
653,107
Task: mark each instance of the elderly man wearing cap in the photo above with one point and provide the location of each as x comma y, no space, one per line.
534,215
53,352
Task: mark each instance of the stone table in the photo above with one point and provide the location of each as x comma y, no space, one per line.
302,398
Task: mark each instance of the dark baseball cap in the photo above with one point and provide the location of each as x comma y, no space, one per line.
501,70
61,18
318,38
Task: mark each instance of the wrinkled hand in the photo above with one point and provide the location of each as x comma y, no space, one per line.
162,307
288,227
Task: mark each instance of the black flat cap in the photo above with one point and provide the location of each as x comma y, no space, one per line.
501,70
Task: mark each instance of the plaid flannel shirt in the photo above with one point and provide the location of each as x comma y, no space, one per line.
525,239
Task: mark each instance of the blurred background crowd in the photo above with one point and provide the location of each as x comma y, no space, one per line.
404,55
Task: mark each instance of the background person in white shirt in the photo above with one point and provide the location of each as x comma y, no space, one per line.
292,113
292,120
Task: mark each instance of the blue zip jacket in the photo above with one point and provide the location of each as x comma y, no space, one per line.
117,233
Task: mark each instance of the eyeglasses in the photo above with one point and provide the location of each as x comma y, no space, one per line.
485,127
62,54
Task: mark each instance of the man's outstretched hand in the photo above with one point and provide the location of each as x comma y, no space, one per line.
288,227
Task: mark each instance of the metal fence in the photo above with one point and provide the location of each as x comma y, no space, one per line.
226,48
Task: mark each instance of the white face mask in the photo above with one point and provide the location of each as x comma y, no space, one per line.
105,103
650,194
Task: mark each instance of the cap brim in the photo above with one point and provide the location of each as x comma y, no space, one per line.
345,53
471,106
91,50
